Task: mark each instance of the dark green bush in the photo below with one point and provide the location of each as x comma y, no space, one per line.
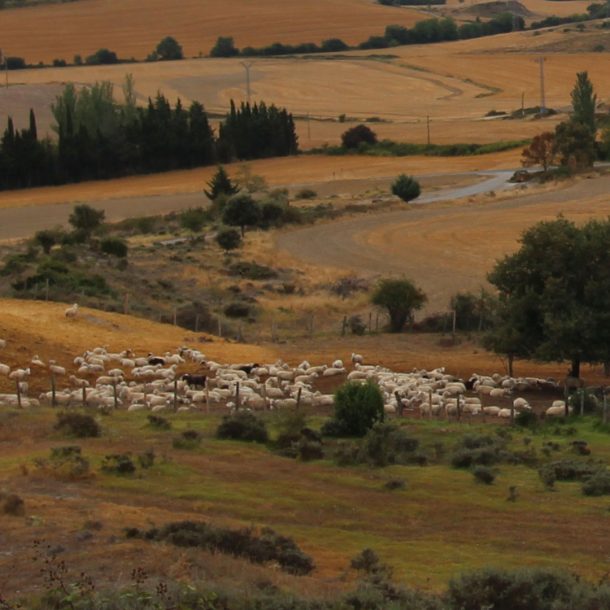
156,421
78,425
386,444
572,470
242,426
118,463
533,589
188,439
147,459
228,239
12,504
395,484
406,187
65,462
483,474
238,310
252,271
598,484
260,547
306,193
526,419
193,219
357,408
355,136
114,246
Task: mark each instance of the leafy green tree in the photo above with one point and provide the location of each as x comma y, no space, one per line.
401,298
355,136
333,45
358,407
46,239
193,219
169,49
242,211
228,239
115,246
102,56
220,184
224,47
554,295
575,145
406,187
86,219
584,102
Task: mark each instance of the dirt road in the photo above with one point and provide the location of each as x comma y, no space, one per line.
444,249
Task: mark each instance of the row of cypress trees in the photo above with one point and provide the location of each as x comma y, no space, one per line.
98,138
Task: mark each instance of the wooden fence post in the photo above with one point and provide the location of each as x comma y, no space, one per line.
207,396
237,396
605,413
175,395
114,394
19,393
299,398
84,396
582,402
53,391
344,326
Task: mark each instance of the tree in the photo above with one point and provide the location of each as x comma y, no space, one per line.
86,219
584,102
47,239
102,56
401,298
358,407
220,184
554,295
333,45
406,187
169,49
540,152
241,211
224,47
228,239
575,145
360,134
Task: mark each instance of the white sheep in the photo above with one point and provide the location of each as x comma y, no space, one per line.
72,311
357,358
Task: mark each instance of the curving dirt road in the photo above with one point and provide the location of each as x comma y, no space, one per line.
443,249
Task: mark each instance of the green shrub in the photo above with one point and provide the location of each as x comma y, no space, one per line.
598,484
252,271
78,425
533,589
355,136
386,444
64,463
118,463
483,474
306,193
572,470
242,426
262,547
193,219
156,421
229,239
147,459
526,419
357,408
238,310
406,187
394,484
12,504
188,439
114,246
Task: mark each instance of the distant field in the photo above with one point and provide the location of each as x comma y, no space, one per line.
456,84
132,28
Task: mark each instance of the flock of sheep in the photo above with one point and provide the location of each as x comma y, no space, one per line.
108,380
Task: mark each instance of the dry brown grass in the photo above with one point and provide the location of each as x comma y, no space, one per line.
132,28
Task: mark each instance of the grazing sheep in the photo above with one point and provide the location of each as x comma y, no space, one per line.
357,358
557,411
5,369
2,343
72,311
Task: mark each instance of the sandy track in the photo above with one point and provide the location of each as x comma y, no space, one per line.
444,249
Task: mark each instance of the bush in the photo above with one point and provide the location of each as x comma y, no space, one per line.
12,505
118,463
15,63
526,419
228,239
224,47
102,56
156,421
483,474
572,470
356,325
598,484
306,193
263,547
169,49
386,444
193,219
78,425
65,463
114,246
394,484
147,459
252,271
406,187
355,136
533,589
237,310
242,426
188,439
357,408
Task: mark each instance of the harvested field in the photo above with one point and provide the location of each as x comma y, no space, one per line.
443,248
132,28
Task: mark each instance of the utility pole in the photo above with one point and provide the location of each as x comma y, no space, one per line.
247,65
4,59
542,97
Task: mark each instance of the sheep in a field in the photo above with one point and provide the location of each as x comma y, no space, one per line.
521,404
557,410
72,311
357,358
37,362
491,410
19,374
5,369
2,343
337,364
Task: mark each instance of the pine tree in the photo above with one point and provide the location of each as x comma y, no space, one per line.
220,184
584,101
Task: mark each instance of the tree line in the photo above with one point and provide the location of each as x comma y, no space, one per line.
98,138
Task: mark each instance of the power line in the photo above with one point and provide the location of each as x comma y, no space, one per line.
542,96
247,65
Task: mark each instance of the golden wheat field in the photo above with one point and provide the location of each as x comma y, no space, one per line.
132,28
455,84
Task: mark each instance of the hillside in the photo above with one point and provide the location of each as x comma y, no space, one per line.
132,28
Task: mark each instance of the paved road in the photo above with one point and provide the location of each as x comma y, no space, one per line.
444,249
20,222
